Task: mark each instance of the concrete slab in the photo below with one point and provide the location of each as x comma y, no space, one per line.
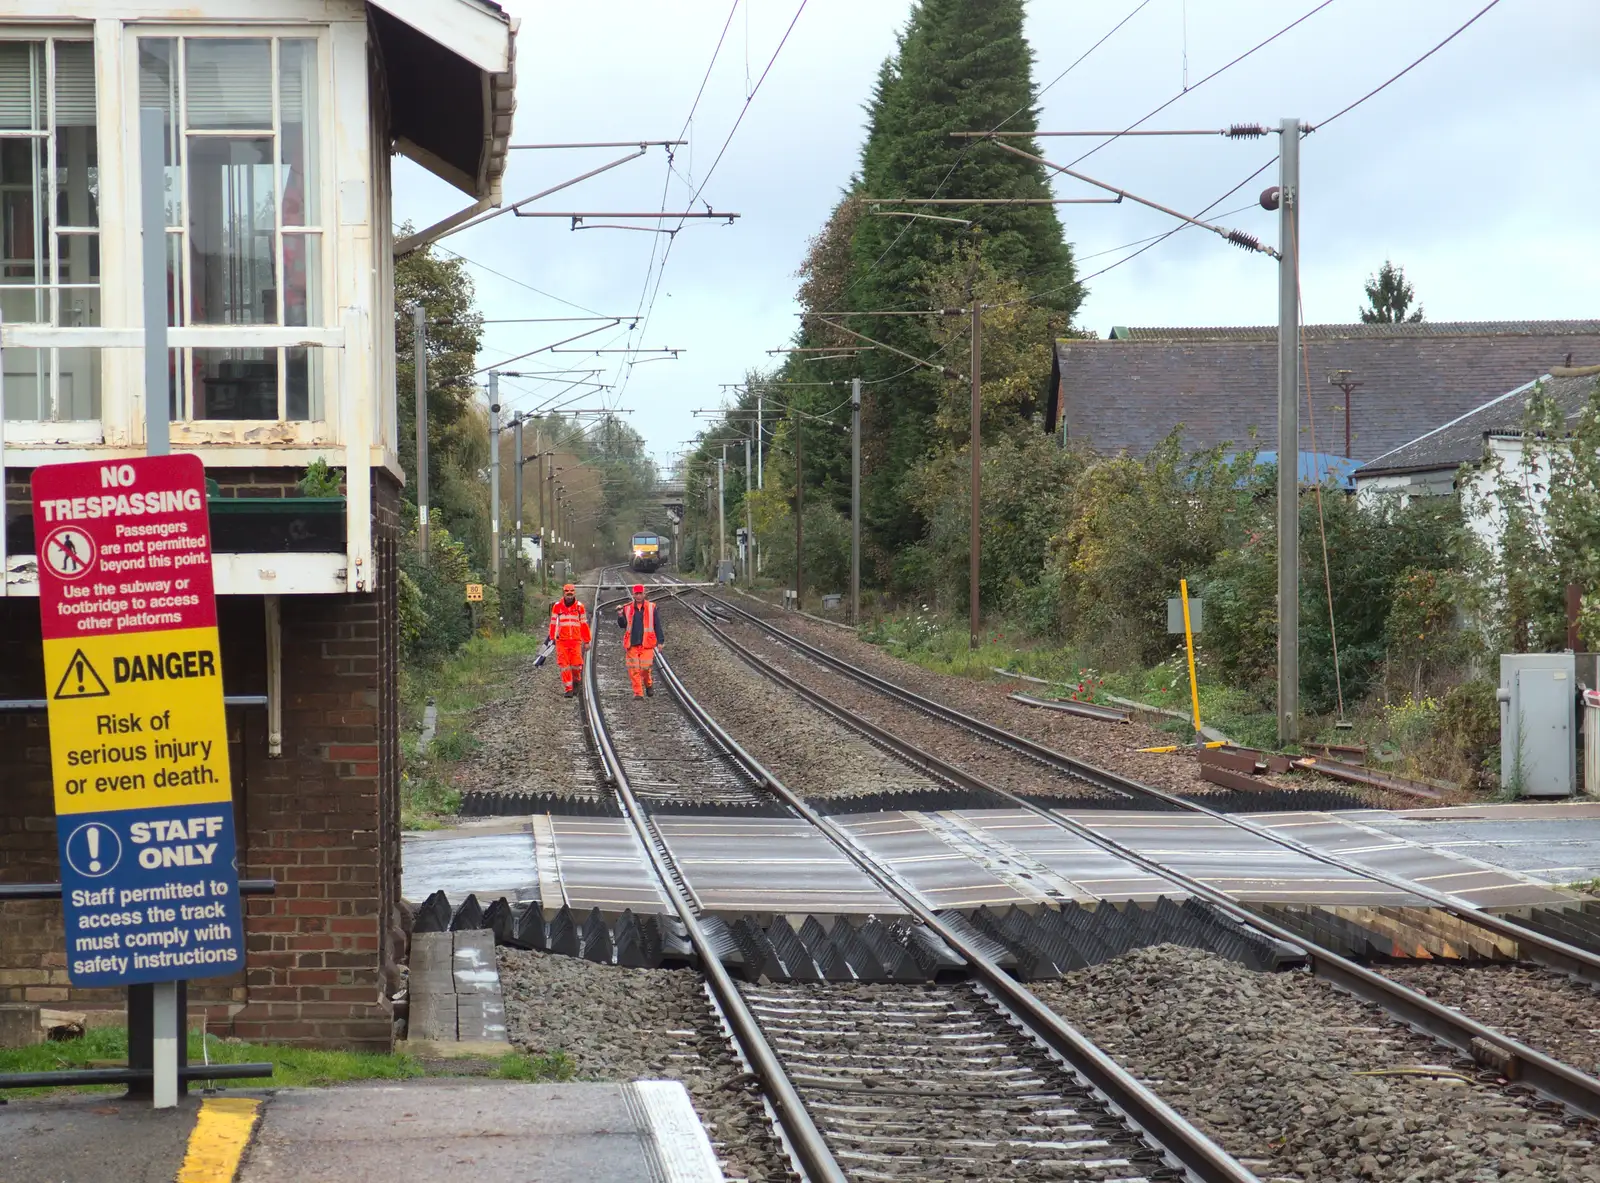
780,865
424,1131
486,861
93,1139
1554,843
593,862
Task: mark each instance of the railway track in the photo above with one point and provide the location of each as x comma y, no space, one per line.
1487,1046
1001,1085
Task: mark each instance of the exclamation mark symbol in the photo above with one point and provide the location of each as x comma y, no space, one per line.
79,665
93,836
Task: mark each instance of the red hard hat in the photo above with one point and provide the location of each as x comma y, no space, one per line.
567,587
638,589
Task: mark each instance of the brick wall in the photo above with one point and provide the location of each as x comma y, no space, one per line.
322,954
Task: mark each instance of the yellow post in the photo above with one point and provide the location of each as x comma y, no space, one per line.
1188,640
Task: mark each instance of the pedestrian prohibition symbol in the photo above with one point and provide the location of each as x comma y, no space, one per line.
138,742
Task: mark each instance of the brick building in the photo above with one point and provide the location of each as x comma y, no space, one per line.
280,119
1127,392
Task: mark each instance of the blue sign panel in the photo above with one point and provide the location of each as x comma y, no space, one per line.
151,895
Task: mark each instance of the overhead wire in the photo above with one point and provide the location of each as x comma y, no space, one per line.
1396,77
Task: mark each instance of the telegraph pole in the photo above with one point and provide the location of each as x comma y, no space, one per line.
516,515
1288,433
494,475
855,501
419,342
722,519
799,514
977,478
749,528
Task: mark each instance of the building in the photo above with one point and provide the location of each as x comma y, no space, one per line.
1468,454
280,119
1221,384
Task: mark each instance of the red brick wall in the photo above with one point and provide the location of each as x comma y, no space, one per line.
322,820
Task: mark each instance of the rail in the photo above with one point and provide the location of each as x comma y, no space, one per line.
805,1141
1546,950
1162,1124
1548,1076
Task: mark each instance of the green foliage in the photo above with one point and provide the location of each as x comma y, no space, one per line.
458,429
321,481
1028,483
1389,297
1543,503
293,1067
535,1067
1373,557
435,619
1137,526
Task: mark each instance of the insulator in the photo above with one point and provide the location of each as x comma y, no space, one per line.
1249,241
1245,131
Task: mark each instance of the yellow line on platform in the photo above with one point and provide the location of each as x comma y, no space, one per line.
217,1143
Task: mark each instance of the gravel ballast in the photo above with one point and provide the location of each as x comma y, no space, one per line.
1112,746
1547,1011
815,755
972,754
643,1024
1306,1084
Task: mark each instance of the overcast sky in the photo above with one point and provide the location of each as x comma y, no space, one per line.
1476,171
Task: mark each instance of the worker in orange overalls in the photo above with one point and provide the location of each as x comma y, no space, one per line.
641,633
569,629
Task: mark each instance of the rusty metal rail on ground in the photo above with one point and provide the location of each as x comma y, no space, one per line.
1546,950
1485,1045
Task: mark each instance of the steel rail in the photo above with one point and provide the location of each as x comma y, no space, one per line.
1168,1130
1546,950
804,1140
1485,1045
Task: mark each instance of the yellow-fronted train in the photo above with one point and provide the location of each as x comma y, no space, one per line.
647,552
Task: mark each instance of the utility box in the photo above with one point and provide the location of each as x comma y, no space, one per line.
1591,742
725,571
1538,717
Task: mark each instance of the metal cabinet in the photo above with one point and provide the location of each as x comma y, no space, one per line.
1538,723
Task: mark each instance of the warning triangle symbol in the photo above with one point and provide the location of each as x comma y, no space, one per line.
80,680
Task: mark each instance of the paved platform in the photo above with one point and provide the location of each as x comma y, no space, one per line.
427,1131
419,1131
1491,856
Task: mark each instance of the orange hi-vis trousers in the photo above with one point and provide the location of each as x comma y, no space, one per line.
569,656
640,658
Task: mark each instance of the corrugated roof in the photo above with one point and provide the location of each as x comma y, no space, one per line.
1128,394
1460,328
1460,441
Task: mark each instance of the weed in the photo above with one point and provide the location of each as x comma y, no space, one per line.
535,1066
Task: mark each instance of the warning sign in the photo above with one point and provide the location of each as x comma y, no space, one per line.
138,739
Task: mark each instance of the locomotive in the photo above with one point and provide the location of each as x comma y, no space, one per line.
648,552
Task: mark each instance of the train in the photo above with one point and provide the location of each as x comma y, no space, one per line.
649,552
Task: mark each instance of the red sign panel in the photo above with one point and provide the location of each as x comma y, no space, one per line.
124,546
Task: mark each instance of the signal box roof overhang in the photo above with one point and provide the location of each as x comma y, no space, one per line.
458,125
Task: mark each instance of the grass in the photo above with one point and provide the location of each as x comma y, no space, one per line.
942,646
458,686
293,1067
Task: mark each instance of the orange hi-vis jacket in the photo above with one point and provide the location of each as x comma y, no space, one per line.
569,623
647,633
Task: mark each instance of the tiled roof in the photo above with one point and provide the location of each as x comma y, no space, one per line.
1127,394
1460,441
1460,328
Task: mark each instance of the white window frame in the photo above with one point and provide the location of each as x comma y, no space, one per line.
49,335
185,337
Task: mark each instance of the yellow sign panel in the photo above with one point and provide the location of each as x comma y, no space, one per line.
475,592
138,720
